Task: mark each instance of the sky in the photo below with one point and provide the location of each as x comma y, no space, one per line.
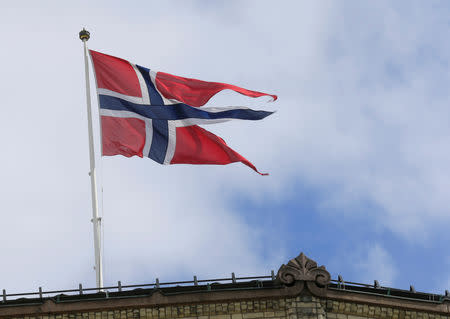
357,151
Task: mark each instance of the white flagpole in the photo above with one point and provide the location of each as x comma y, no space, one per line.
96,221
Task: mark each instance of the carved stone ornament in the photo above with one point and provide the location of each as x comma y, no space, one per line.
302,270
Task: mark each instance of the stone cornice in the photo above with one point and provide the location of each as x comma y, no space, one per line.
159,299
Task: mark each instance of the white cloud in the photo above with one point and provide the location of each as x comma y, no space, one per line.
375,263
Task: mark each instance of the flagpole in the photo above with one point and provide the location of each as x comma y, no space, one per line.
96,221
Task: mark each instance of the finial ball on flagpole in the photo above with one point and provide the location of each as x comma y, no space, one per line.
84,35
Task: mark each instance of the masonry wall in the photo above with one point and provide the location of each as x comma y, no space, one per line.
302,307
251,309
347,310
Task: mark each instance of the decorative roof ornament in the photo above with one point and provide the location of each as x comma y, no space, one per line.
302,270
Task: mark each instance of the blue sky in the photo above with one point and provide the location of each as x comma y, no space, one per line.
357,151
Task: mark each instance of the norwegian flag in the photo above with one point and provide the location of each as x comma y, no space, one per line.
155,114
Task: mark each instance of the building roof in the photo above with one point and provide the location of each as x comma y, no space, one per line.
300,275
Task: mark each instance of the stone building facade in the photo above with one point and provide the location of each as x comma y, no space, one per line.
300,289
